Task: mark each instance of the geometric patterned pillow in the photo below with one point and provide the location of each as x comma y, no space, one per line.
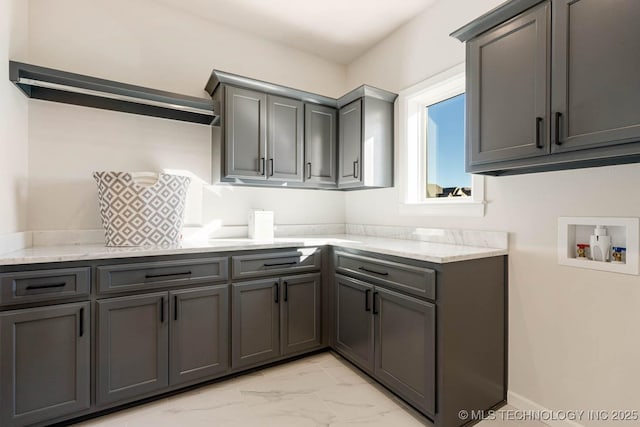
137,214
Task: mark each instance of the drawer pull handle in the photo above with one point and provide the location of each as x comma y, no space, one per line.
366,300
49,286
280,264
375,306
157,276
380,273
81,328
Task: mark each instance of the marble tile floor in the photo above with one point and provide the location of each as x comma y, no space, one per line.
319,390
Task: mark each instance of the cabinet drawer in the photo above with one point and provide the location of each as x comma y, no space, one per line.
149,275
276,263
413,280
44,285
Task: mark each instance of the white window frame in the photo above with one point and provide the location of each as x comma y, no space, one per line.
413,103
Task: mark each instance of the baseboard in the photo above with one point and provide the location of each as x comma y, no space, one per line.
524,404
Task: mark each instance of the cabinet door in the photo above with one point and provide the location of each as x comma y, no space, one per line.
350,142
199,333
354,321
320,144
300,308
44,363
596,89
405,356
285,142
507,90
245,127
255,322
133,346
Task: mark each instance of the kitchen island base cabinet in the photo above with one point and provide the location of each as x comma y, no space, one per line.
199,333
44,363
133,339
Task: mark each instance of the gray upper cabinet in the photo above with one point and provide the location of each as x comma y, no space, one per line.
596,89
350,141
132,346
300,313
199,320
507,91
45,363
320,144
285,139
405,357
552,85
245,133
354,321
255,322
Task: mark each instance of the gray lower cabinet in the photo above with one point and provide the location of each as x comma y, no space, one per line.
354,321
285,139
255,322
507,94
320,133
300,326
132,346
350,142
596,90
405,346
245,133
199,338
45,363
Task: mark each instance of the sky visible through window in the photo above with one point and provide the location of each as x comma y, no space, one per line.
445,149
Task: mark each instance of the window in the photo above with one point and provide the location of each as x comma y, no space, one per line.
432,149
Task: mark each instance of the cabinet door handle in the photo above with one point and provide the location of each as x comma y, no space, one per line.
539,133
380,273
279,264
175,307
261,166
558,117
286,291
162,310
375,306
277,295
366,300
157,276
48,286
355,168
271,166
308,170
81,327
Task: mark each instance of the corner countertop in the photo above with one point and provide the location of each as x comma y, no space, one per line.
413,249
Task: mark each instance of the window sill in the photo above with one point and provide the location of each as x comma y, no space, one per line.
453,208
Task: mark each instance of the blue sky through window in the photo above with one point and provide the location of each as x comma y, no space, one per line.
445,143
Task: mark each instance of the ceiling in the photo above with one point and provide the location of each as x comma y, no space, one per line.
338,30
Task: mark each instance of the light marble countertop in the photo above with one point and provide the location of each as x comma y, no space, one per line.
419,250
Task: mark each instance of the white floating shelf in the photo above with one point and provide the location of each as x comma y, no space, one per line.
624,232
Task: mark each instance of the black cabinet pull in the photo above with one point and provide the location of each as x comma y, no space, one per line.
157,276
162,310
277,295
558,117
380,273
539,133
271,166
279,264
175,307
261,166
48,286
308,170
366,300
355,168
81,328
375,306
286,291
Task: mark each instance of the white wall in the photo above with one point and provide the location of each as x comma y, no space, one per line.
13,119
149,44
573,333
